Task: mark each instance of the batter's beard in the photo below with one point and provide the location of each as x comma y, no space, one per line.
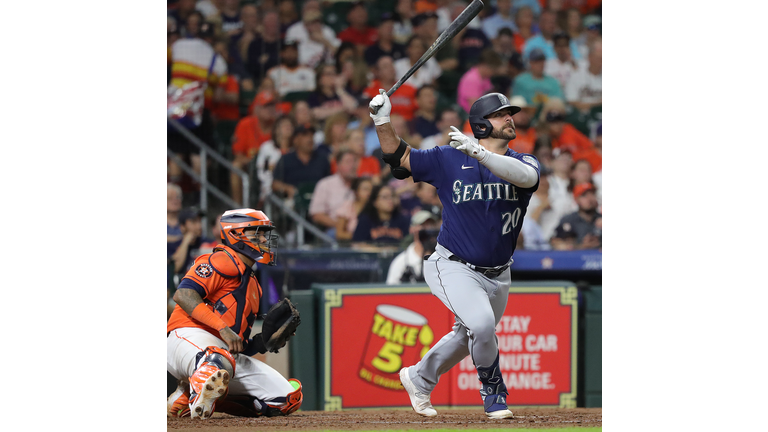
507,134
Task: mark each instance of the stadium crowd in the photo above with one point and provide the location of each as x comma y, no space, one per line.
288,86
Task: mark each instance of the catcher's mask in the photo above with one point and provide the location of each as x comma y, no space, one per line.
485,106
248,232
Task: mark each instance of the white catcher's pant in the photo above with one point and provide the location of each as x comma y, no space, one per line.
478,304
252,377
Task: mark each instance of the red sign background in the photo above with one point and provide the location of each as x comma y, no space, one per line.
369,347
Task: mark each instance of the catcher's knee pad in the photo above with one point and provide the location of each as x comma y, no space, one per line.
217,356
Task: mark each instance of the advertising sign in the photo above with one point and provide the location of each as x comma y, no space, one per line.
369,334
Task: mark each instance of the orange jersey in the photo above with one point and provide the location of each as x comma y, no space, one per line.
403,100
228,287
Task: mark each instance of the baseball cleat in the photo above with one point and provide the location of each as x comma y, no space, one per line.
208,384
496,407
178,401
419,400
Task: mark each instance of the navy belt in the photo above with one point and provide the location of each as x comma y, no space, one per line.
490,272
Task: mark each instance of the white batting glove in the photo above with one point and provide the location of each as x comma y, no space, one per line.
467,145
382,107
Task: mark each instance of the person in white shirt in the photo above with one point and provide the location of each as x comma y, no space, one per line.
406,267
584,89
427,73
290,76
563,65
317,42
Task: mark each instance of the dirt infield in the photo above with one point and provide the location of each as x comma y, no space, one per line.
388,419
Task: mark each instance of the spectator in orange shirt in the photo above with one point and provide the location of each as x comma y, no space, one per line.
369,166
250,133
358,32
403,100
526,135
563,135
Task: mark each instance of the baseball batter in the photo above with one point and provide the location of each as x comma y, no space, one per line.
485,188
208,332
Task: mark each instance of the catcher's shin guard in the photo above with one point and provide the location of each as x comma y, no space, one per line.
210,381
249,406
178,401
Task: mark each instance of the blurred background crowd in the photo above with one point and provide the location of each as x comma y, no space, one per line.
286,102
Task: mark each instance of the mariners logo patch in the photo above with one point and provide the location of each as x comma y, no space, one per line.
503,99
204,270
530,160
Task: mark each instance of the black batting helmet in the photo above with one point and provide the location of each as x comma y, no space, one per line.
485,106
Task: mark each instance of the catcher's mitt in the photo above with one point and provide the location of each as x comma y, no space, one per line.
280,324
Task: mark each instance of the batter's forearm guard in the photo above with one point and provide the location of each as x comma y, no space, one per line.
393,160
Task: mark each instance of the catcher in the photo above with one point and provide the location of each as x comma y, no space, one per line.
208,347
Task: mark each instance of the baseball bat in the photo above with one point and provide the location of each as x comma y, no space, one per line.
453,29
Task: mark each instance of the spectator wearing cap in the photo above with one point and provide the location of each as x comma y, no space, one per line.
330,97
563,65
250,133
426,28
317,42
302,167
358,32
403,26
477,80
525,140
427,74
586,221
534,85
270,153
192,237
263,51
290,77
564,238
502,18
333,191
385,42
191,59
544,40
562,134
406,267
403,100
584,89
533,5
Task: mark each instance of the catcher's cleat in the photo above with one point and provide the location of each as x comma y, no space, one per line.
178,401
419,400
210,382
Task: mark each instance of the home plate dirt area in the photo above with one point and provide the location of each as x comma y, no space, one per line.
399,419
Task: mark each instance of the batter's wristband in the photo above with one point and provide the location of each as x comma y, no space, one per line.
207,317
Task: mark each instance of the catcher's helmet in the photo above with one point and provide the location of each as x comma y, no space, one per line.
485,106
240,230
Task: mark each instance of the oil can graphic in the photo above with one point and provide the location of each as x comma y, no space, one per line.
398,337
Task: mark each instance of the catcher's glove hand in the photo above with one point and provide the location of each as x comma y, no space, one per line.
280,324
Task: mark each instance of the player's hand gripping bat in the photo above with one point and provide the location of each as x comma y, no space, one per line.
445,37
